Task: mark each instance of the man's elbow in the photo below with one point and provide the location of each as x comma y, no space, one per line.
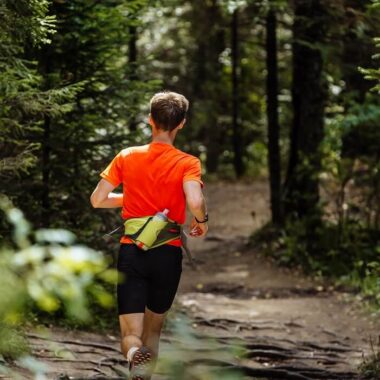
94,201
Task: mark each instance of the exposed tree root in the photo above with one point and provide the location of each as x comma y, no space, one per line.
75,342
260,356
279,372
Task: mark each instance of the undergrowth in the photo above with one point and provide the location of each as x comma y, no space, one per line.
370,368
349,255
100,319
12,343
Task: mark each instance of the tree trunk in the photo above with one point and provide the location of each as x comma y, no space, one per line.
46,173
208,18
274,160
237,137
132,61
308,97
46,146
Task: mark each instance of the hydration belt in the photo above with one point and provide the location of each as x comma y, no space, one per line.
134,227
147,234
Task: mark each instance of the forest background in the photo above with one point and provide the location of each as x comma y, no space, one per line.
281,90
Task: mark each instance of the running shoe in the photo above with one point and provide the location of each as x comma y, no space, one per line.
141,365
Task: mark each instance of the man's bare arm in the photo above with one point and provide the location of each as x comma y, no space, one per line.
197,205
102,197
195,199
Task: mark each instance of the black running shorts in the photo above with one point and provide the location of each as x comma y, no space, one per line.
148,278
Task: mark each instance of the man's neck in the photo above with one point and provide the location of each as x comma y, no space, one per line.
163,138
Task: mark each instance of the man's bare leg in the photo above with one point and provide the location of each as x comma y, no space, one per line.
131,326
153,324
139,330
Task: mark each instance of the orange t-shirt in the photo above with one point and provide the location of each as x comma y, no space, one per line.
152,176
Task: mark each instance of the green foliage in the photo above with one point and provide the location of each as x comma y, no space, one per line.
191,44
345,244
351,176
23,101
370,368
366,277
12,344
257,154
67,90
51,272
373,74
349,255
25,20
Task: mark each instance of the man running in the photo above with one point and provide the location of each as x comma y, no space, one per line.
155,177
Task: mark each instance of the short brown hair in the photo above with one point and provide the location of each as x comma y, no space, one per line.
168,109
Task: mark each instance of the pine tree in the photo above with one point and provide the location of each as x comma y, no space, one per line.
374,73
70,101
24,103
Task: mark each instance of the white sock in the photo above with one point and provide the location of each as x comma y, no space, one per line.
131,352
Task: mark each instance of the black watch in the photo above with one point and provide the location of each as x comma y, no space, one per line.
202,221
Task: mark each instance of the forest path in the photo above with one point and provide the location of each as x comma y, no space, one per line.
288,326
288,321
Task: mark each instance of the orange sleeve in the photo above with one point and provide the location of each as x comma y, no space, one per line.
113,172
193,171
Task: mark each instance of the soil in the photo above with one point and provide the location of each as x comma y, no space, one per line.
236,310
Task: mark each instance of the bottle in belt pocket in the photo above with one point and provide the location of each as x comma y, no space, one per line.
150,233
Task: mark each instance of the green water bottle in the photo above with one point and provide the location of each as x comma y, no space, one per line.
150,233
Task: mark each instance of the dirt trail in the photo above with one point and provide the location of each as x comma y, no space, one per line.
239,292
287,326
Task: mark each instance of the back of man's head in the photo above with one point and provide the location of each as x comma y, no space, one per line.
168,109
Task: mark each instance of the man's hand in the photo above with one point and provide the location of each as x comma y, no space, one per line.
198,229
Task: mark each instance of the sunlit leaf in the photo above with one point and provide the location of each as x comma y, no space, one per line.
55,236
